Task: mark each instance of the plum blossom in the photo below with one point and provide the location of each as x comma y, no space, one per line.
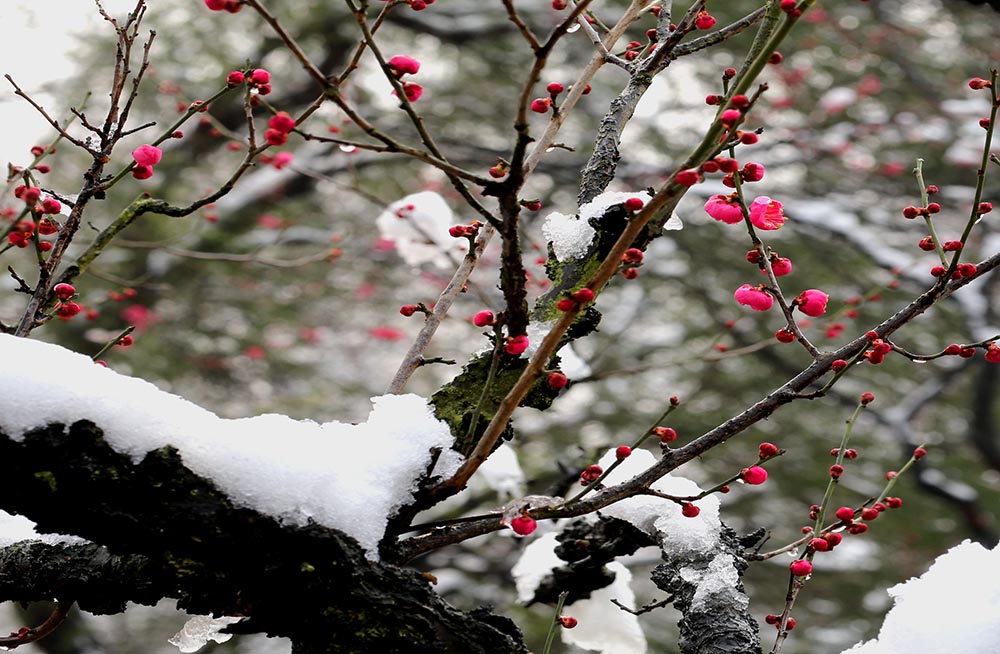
812,302
754,297
724,208
147,155
403,65
766,213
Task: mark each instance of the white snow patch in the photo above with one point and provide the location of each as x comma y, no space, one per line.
199,630
596,207
17,528
502,472
961,588
661,518
350,477
537,560
720,578
570,236
418,225
604,627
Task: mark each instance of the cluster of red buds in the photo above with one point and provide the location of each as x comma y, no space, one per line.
631,260
278,128
878,348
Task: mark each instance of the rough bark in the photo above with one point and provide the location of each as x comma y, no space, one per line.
162,531
712,623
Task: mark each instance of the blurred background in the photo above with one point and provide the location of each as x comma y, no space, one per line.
284,296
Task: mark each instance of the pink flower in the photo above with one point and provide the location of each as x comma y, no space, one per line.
281,122
142,172
412,91
801,568
483,319
754,297
753,172
260,76
766,213
403,65
147,155
281,160
516,345
724,208
812,302
754,475
704,20
523,525
541,105
781,266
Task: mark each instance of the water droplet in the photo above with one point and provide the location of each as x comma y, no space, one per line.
348,148
549,149
572,28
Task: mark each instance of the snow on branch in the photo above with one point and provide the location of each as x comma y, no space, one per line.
344,476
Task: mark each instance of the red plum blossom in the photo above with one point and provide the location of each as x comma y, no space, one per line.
766,213
754,297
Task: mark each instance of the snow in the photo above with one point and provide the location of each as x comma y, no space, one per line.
17,528
350,477
716,584
199,630
421,232
603,627
502,472
953,607
570,236
662,518
537,560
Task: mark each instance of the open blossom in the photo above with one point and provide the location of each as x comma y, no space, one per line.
724,208
754,297
147,155
766,213
812,302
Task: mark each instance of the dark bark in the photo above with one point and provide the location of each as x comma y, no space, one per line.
162,531
715,624
587,547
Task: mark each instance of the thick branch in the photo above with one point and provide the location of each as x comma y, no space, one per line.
176,535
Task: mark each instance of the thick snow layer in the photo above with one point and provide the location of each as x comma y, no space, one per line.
199,630
661,518
350,477
418,225
953,607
